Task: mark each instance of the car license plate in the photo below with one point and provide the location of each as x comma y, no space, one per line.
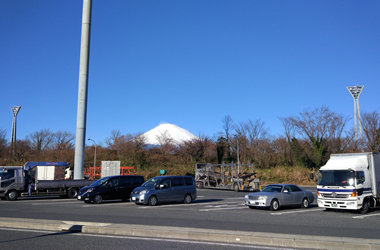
79,197
334,205
133,198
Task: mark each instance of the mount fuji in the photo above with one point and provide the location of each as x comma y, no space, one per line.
169,133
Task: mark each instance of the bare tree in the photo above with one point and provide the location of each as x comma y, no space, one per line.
228,126
315,126
114,135
3,143
41,140
371,129
64,140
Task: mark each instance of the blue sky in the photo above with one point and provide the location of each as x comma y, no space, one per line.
188,63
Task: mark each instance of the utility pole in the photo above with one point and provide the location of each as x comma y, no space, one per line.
82,91
15,110
355,92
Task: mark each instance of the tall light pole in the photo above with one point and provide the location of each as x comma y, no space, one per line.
15,110
355,92
94,155
80,138
237,146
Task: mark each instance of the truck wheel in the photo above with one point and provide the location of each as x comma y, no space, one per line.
274,205
12,195
365,207
72,193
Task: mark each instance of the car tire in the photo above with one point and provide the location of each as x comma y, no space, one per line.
305,203
187,199
365,207
12,195
152,200
274,205
252,207
98,199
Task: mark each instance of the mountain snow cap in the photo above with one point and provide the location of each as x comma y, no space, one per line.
166,132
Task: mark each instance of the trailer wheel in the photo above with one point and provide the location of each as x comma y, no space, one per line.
72,193
236,187
12,195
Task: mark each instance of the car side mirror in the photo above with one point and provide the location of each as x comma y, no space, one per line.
286,191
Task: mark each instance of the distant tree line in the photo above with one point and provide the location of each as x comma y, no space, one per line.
308,140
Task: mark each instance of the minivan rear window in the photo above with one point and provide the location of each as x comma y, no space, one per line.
138,180
188,181
177,181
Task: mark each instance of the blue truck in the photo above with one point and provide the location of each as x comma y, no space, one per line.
39,179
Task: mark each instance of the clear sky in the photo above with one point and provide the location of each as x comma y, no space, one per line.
188,63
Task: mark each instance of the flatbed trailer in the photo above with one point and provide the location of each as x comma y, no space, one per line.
226,176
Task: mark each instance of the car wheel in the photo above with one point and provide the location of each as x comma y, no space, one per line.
98,199
365,207
12,195
72,193
274,205
187,199
252,207
305,203
152,201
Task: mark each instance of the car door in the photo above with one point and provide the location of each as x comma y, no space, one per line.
165,191
179,188
297,194
125,187
287,197
111,189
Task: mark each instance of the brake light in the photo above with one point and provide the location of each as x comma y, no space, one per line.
354,194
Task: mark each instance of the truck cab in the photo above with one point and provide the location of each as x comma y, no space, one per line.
11,182
348,181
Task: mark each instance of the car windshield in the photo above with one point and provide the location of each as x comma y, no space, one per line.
272,188
152,182
336,177
99,182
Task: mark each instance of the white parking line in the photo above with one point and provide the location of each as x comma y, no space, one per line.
186,205
363,216
299,211
54,203
224,208
110,204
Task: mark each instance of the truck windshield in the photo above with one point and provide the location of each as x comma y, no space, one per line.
336,177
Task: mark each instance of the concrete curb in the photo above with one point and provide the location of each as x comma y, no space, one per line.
184,233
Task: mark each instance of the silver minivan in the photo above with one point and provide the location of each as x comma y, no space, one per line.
163,189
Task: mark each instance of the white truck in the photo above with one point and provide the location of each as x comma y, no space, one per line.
350,181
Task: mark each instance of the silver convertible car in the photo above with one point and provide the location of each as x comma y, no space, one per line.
276,195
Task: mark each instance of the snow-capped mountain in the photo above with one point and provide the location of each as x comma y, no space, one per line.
168,134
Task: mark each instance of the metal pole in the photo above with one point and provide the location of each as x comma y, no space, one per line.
94,156
15,110
82,91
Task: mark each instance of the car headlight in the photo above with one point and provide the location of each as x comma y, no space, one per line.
90,190
144,192
246,196
262,198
